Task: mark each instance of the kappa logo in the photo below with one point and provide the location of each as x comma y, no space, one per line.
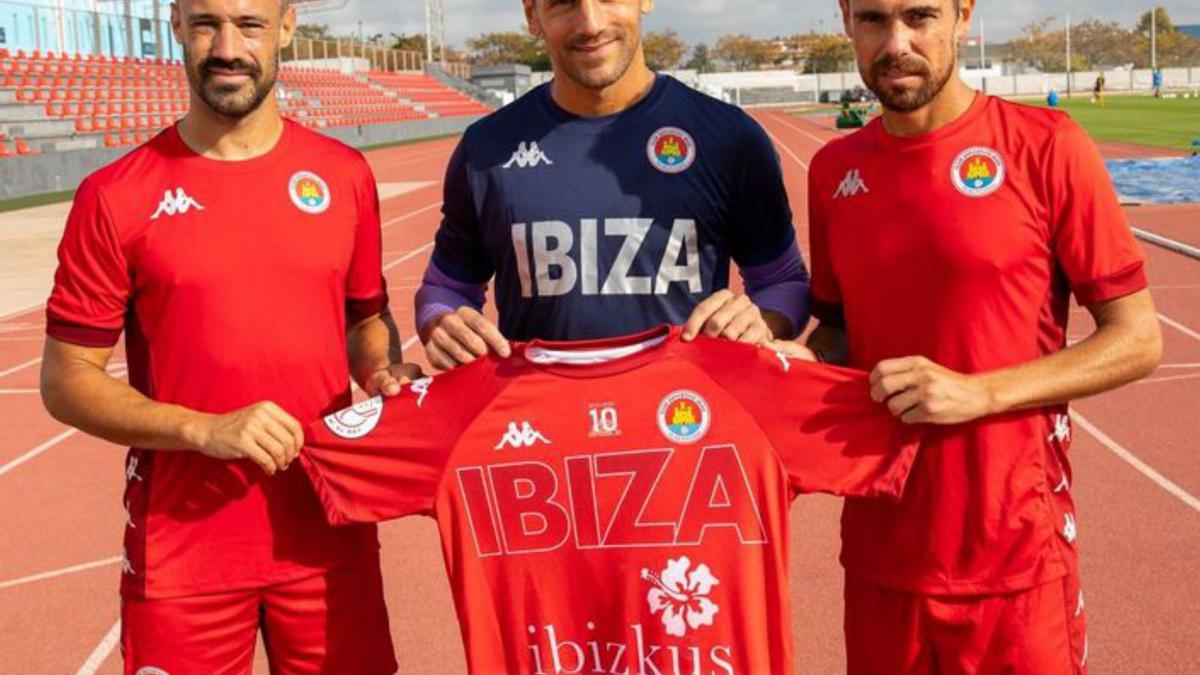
131,473
523,436
682,596
176,204
357,420
1062,429
851,185
1069,532
527,155
421,389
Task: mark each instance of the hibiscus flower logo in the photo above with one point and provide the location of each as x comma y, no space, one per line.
682,596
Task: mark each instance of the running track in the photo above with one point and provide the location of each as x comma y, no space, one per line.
1135,454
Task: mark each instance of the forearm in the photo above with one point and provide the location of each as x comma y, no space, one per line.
372,345
1109,358
780,289
440,294
89,399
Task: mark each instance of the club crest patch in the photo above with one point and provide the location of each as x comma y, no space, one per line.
684,416
671,150
358,420
309,192
977,171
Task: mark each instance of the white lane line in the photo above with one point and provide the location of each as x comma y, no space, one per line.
1178,326
410,214
18,368
411,254
784,122
785,148
61,572
14,392
37,451
1132,459
102,651
1179,365
409,342
1172,378
18,312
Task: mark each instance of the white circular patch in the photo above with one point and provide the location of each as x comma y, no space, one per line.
151,670
683,416
357,420
977,171
309,192
671,150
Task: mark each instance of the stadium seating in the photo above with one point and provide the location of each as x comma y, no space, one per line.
54,101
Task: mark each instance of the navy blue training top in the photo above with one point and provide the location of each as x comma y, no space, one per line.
602,226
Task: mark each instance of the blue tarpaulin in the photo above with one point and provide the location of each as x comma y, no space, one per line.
1163,181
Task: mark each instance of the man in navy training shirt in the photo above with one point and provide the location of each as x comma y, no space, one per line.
609,201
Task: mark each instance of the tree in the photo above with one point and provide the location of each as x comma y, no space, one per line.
1045,49
492,49
1173,47
1162,22
742,52
1102,44
700,62
412,43
827,53
313,31
664,50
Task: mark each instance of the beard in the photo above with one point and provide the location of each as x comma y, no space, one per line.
903,99
606,74
232,100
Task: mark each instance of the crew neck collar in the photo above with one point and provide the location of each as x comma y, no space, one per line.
599,358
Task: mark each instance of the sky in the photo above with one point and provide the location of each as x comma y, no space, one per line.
704,20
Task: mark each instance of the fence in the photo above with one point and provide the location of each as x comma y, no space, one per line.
785,87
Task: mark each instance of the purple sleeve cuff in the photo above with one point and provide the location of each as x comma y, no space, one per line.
781,286
440,294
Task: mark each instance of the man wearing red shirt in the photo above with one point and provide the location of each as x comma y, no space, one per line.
947,237
619,505
240,255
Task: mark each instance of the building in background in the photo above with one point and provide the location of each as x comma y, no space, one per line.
112,28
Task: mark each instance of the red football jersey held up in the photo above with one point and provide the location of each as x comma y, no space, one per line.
963,245
233,283
618,505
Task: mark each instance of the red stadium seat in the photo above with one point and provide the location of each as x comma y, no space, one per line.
4,150
24,149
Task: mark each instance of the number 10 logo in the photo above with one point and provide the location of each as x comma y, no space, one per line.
604,420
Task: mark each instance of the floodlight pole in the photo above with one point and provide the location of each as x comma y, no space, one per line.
1068,55
1153,38
428,32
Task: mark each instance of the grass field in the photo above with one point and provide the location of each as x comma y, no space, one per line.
1144,120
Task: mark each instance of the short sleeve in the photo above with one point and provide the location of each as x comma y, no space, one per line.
827,432
459,249
92,285
826,296
1091,239
384,458
366,291
762,228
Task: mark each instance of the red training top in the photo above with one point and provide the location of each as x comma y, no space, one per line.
234,283
963,245
617,505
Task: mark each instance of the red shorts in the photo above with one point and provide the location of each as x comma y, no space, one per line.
1039,631
333,622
